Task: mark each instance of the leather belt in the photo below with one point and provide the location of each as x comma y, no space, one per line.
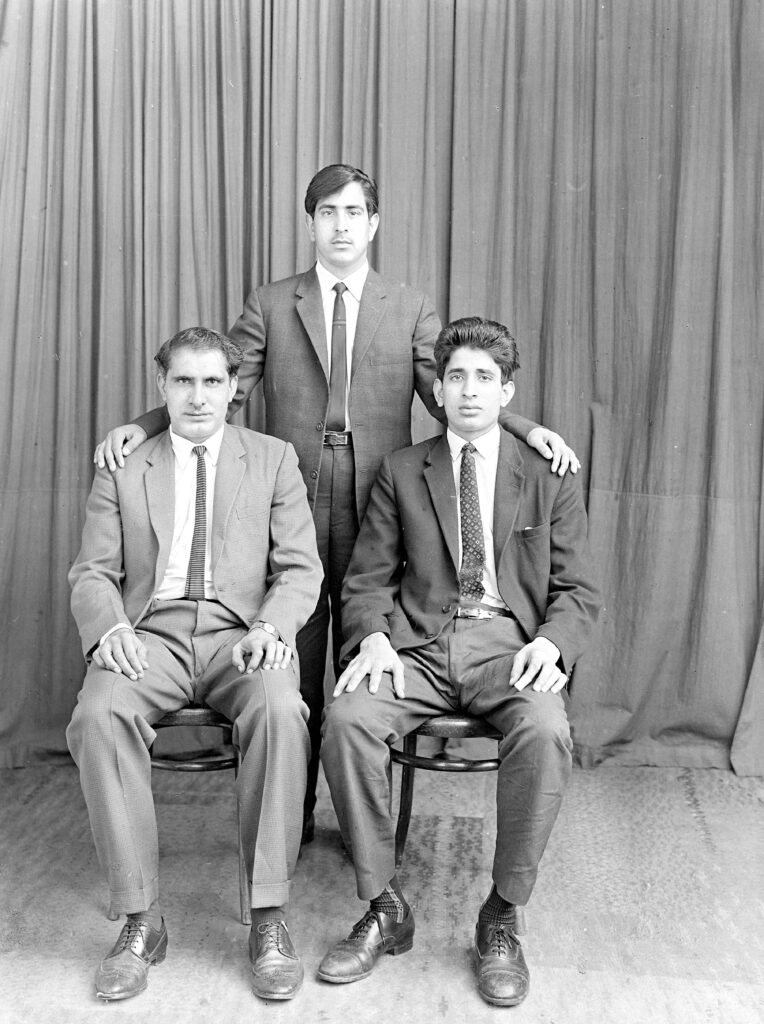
464,612
338,439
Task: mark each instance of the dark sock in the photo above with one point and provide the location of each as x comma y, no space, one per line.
496,910
153,915
262,914
391,901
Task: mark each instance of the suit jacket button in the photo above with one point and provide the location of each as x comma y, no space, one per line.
446,608
319,426
314,474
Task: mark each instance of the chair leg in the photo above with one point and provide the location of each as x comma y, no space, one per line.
407,799
245,900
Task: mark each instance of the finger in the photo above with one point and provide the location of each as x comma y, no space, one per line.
237,658
555,461
564,462
108,455
119,457
122,659
518,665
285,658
255,657
98,458
98,659
375,678
399,684
270,654
545,676
559,684
109,661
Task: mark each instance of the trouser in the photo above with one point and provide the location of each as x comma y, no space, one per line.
334,514
189,648
467,668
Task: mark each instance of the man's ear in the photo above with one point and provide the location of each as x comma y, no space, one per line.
507,393
162,385
311,227
233,384
373,225
437,390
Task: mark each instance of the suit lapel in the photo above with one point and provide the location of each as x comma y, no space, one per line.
160,499
230,473
509,485
370,313
439,477
310,309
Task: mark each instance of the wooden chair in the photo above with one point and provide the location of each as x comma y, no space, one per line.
213,759
451,726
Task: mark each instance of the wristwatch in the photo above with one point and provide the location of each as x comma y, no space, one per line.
267,626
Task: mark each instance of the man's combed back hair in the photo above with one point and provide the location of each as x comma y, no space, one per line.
200,339
332,179
486,335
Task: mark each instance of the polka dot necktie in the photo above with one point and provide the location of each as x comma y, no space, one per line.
473,545
195,575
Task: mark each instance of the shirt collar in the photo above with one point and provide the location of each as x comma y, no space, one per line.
486,445
184,449
353,282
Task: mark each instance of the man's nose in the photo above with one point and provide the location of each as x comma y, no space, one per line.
197,394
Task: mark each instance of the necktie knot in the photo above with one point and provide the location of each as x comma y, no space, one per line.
199,450
340,288
469,448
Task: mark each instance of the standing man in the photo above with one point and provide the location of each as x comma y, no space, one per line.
470,588
198,566
340,351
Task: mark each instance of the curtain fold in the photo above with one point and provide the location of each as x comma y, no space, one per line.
589,174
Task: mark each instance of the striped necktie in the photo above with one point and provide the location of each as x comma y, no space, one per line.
335,417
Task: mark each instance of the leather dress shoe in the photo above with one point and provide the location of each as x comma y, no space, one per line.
502,973
124,971
376,933
276,966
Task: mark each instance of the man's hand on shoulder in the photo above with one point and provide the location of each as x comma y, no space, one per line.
374,657
124,653
117,445
553,447
260,649
536,664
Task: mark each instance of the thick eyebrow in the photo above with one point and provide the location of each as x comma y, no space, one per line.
340,206
478,369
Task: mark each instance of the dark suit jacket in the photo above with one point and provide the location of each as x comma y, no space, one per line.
402,579
283,335
264,559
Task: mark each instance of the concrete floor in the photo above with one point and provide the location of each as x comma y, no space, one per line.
649,906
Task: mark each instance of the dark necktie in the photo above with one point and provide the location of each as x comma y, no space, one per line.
473,546
195,576
335,418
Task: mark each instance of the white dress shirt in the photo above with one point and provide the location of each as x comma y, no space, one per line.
173,586
486,463
354,283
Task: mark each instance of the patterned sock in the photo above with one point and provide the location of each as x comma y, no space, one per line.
496,910
391,902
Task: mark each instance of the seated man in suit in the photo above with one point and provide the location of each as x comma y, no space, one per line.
470,587
198,566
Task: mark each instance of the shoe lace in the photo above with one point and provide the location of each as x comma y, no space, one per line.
502,941
362,928
271,933
129,934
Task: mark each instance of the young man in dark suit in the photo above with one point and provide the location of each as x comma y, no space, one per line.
339,373
470,586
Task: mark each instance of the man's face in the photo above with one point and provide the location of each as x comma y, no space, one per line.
471,392
341,230
197,390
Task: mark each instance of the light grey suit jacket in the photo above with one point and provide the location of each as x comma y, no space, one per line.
264,559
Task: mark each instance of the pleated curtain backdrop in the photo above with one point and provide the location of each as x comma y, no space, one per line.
591,174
